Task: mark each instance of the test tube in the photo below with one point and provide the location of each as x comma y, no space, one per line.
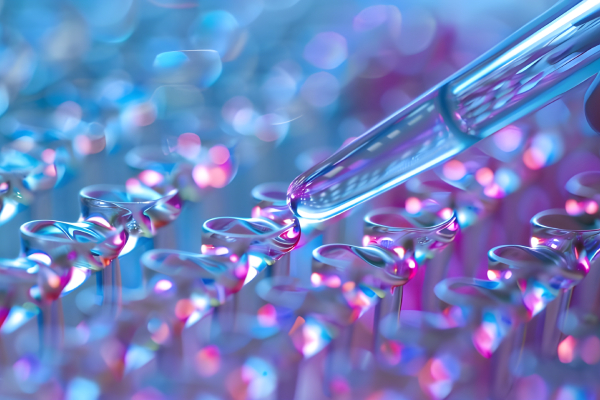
531,68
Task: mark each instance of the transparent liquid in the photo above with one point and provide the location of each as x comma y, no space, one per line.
387,156
549,56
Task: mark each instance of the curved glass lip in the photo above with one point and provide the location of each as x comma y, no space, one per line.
465,299
542,250
318,254
396,210
576,188
85,194
18,268
26,230
258,192
384,253
535,221
275,232
160,267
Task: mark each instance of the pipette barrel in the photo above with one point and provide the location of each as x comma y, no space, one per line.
530,69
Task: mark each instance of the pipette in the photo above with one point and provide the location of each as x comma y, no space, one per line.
550,55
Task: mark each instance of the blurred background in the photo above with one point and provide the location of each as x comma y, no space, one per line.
226,95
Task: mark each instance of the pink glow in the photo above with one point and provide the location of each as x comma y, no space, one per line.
339,386
566,350
366,240
483,338
585,264
413,205
183,309
591,207
162,286
316,279
201,176
218,177
454,170
493,275
534,158
161,335
453,226
400,251
48,156
50,170
439,371
221,251
208,361
219,154
572,207
212,250
494,191
590,350
84,144
333,282
446,213
132,184
189,145
22,369
508,139
312,343
291,233
392,352
484,176
534,300
348,286
242,271
267,315
297,324
151,178
99,221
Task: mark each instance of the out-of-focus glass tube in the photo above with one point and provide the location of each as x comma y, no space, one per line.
550,55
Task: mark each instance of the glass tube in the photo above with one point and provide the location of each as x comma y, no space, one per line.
550,55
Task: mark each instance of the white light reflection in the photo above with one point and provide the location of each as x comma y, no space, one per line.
546,33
